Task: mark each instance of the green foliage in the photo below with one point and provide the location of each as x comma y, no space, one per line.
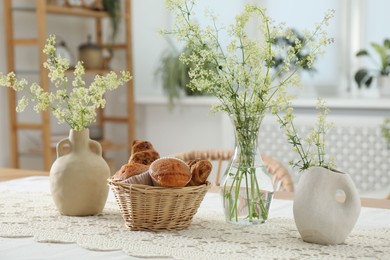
174,75
113,8
365,76
283,43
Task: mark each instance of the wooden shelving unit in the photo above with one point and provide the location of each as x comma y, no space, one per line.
42,10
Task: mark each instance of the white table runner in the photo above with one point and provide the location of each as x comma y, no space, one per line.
26,214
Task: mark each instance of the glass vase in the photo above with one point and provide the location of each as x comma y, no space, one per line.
248,189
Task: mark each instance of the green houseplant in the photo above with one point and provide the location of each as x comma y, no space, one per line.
283,43
244,80
174,76
365,76
114,9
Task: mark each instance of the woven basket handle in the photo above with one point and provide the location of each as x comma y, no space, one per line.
97,147
60,147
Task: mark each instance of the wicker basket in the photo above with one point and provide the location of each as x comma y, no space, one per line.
151,208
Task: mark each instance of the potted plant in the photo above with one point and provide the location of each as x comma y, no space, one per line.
174,76
114,9
282,44
319,217
381,70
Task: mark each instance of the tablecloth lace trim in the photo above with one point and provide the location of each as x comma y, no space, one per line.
209,237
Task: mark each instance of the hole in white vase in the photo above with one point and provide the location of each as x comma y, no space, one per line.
340,196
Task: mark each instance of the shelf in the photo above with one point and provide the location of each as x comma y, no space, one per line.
65,10
32,41
75,11
41,9
91,72
70,71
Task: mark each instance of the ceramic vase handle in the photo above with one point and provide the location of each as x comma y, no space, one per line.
60,147
351,196
97,145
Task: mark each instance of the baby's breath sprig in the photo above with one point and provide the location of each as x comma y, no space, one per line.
76,104
311,150
240,73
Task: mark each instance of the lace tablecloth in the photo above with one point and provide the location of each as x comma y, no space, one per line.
209,237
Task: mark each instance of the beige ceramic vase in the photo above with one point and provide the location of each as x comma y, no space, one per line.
78,177
319,217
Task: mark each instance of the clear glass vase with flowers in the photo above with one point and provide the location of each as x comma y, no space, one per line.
242,75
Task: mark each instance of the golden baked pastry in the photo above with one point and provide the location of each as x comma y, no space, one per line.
170,172
129,170
141,145
200,171
144,157
143,152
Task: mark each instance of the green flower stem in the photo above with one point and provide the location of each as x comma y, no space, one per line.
293,140
246,137
314,154
242,76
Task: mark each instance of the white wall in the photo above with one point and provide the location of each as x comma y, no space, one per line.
147,17
355,140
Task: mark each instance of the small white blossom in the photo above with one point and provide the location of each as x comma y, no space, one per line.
76,104
311,149
22,104
240,74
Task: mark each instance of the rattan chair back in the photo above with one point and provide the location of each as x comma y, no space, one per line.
279,172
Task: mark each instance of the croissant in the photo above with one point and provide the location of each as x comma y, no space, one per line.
200,171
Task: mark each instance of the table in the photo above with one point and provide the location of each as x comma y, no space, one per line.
10,174
280,214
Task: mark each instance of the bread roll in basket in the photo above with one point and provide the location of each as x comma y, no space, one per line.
169,205
152,208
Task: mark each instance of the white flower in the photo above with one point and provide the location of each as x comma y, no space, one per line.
240,74
76,104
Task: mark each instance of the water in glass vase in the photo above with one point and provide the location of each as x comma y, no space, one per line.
248,189
247,194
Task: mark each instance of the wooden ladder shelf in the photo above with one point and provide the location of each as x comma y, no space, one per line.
41,10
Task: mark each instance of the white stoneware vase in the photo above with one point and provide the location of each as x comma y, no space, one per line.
319,217
78,177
